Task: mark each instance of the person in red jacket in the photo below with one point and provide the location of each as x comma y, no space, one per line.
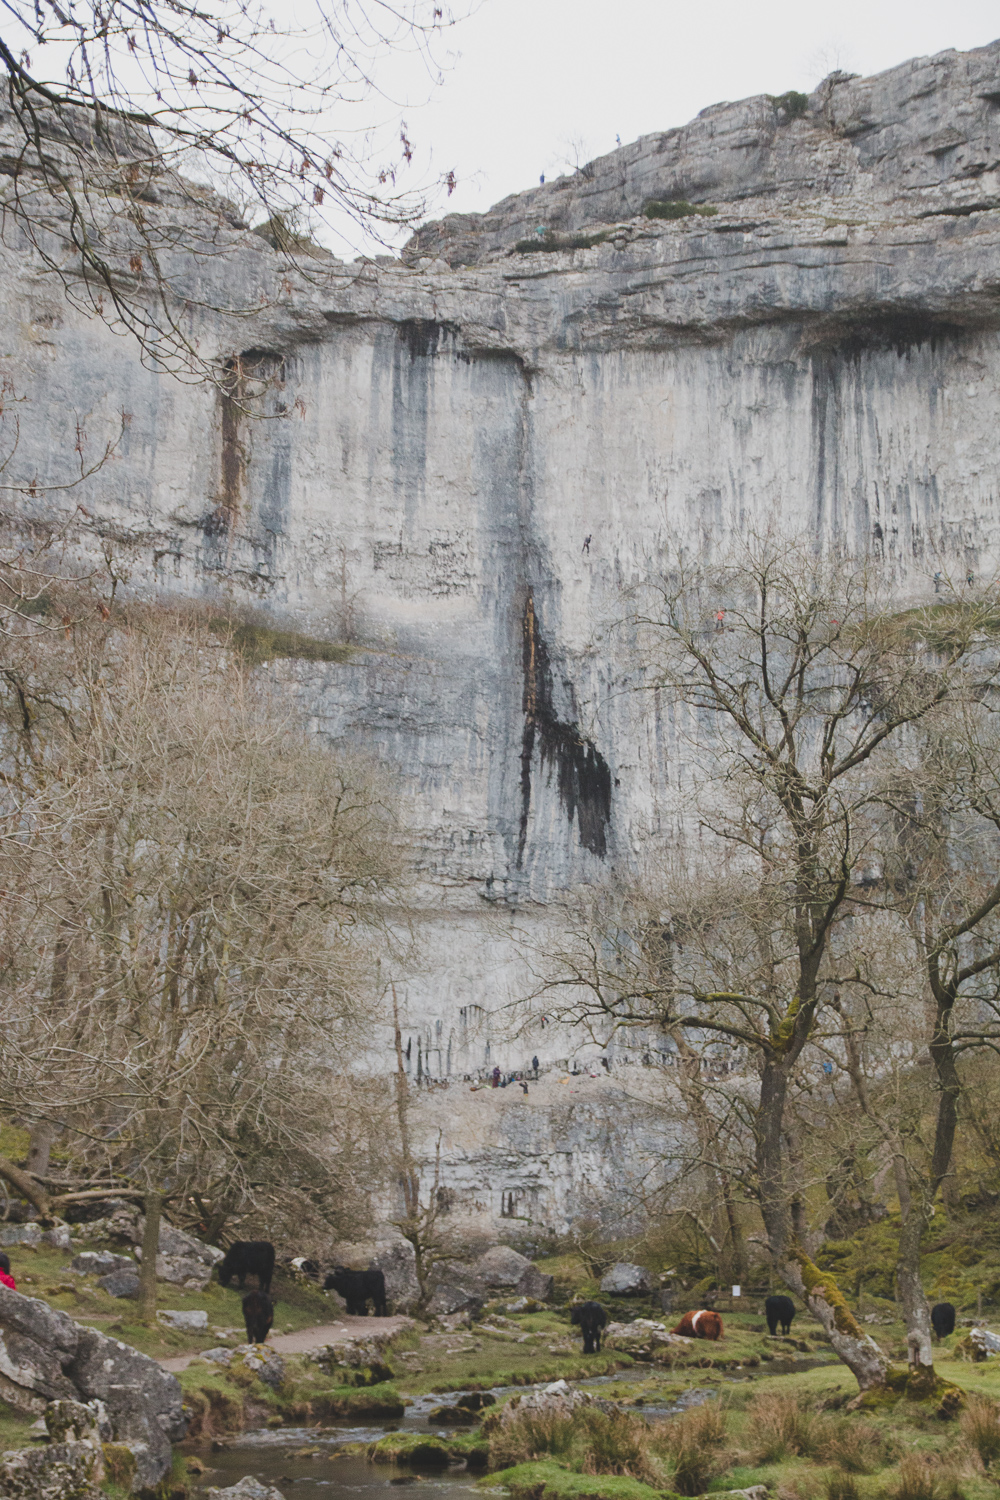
6,1279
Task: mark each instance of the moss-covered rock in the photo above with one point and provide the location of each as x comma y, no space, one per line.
413,1449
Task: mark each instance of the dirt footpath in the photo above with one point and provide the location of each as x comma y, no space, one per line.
312,1338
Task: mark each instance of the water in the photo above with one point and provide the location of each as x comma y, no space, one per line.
270,1454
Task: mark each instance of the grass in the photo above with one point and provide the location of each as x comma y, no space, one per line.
677,208
257,642
45,1273
548,1481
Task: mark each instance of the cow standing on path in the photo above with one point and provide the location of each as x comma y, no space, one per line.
258,1315
248,1258
357,1288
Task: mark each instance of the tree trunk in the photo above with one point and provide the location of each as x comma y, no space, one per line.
25,1185
150,1250
817,1289
910,1291
40,1148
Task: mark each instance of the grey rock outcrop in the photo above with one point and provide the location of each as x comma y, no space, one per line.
181,1259
462,463
62,1471
45,1356
101,1263
627,1280
21,1234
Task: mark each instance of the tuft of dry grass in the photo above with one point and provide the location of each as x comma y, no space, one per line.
854,1445
918,1480
841,1487
589,1441
692,1442
980,1426
779,1427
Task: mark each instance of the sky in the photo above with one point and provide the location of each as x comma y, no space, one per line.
533,85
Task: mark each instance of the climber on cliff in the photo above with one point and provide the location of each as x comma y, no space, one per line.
534,1066
720,619
586,543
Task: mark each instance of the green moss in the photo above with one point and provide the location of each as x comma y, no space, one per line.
676,208
822,1284
781,1038
551,242
548,1481
119,1465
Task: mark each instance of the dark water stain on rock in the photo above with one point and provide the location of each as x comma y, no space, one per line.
583,778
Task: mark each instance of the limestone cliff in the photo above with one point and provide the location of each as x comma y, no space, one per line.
464,456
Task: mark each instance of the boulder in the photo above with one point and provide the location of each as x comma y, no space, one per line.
626,1280
265,1363
501,1266
101,1263
396,1259
181,1259
247,1489
558,1399
177,1319
120,1284
58,1238
21,1234
644,1339
62,1471
143,1401
504,1267
36,1343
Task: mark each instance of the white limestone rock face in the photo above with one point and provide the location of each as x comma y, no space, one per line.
465,467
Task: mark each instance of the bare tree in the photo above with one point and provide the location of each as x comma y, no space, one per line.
794,709
111,109
193,899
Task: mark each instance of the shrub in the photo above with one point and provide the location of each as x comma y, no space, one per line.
676,208
691,1441
980,1424
793,103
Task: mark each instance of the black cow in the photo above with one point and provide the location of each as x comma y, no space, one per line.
357,1288
590,1318
942,1319
779,1310
248,1258
258,1315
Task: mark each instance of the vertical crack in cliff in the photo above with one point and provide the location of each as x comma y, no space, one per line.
583,778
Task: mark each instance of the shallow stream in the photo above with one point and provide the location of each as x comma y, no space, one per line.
306,1463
